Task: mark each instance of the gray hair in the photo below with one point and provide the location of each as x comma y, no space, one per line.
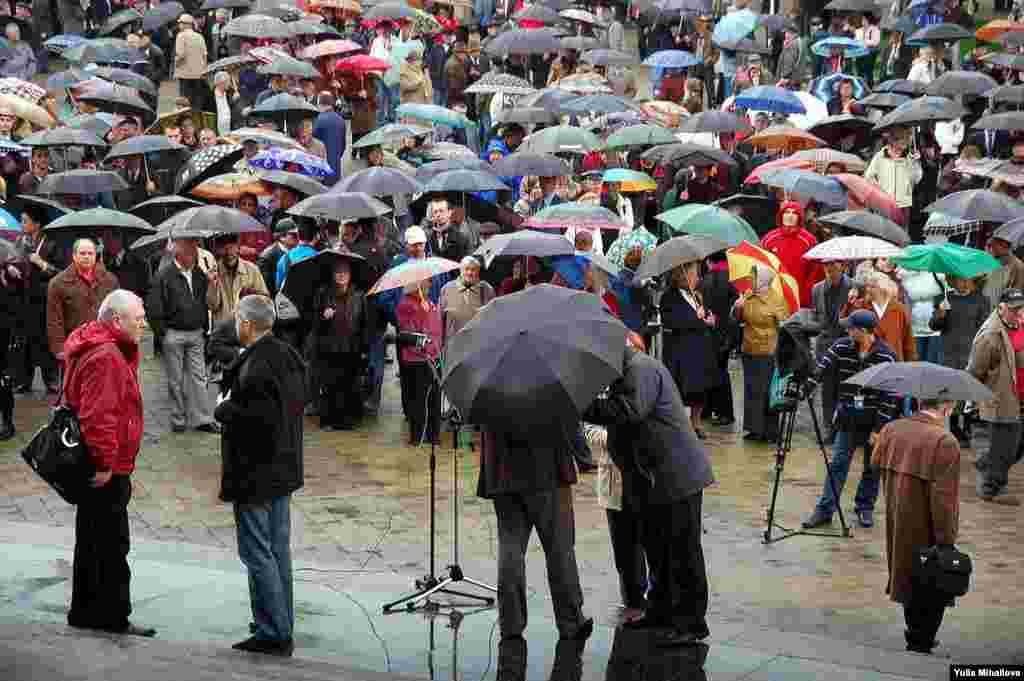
259,310
13,27
116,303
78,242
470,261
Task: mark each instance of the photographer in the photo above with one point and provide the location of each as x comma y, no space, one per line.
858,417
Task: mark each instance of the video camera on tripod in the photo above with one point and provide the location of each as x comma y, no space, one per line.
794,361
650,291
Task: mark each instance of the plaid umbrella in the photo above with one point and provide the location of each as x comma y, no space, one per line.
230,186
329,48
276,158
22,88
746,257
630,240
863,193
578,215
492,82
412,272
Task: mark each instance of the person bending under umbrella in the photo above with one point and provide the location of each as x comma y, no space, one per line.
419,335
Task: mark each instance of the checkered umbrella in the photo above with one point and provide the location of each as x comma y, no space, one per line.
492,82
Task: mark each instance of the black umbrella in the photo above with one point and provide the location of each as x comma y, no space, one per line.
63,137
525,41
600,104
941,33
211,5
428,170
960,83
679,251
862,222
82,182
161,15
923,380
120,100
126,77
378,181
289,67
855,6
52,209
257,26
340,206
980,205
206,163
714,121
528,115
155,211
688,153
1008,120
834,129
525,243
534,359
759,211
921,110
284,106
525,163
204,222
143,144
465,181
902,86
306,186
307,276
118,19
885,100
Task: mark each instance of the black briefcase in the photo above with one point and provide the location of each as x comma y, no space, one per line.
943,569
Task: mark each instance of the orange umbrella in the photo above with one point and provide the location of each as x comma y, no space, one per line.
786,137
992,31
863,193
742,261
230,186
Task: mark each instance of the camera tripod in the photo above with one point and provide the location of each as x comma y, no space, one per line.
787,420
431,584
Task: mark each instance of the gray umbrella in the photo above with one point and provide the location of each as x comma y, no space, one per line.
282,107
550,99
428,171
306,186
82,182
679,251
525,41
978,204
9,251
527,116
126,77
524,163
941,33
524,243
99,217
228,62
960,83
863,222
534,359
923,380
1012,232
902,86
921,110
599,104
602,57
289,67
64,137
714,121
1012,39
143,144
118,99
885,100
1008,120
119,19
465,181
579,43
257,26
378,181
340,206
688,153
1008,94
211,5
156,210
856,6
539,13
209,221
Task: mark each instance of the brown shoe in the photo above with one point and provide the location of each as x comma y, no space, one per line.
1003,500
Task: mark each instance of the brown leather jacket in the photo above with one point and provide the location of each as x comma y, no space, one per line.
70,302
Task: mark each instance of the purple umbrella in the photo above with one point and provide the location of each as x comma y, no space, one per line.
276,158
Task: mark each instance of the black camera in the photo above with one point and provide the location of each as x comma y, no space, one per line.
651,310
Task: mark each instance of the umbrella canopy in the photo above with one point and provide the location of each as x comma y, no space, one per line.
82,182
524,243
428,170
902,86
276,158
8,223
688,154
603,57
960,83
390,133
823,158
529,115
640,136
672,59
161,15
1012,232
697,218
309,275
823,189
630,180
412,272
584,84
523,163
734,27
978,204
921,110
525,41
1008,120
289,67
143,144
562,138
885,100
99,217
678,251
538,12
119,100
126,77
864,193
493,82
576,215
638,237
745,258
8,251
305,186
230,62
715,121
549,99
205,222
340,206
581,16
433,114
263,136
1012,39
284,105
770,98
579,43
379,182
923,380
230,186
826,87
466,181
119,19
1004,171
206,163
63,137
848,47
863,222
940,33
947,258
257,27
855,6
362,64
1005,60
390,10
53,208
534,359
603,103
211,5
330,48
993,30
852,248
854,131
785,137
155,211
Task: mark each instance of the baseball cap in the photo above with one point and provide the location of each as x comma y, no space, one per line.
415,235
867,321
1012,297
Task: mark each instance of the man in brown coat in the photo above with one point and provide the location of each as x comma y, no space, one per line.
74,296
920,466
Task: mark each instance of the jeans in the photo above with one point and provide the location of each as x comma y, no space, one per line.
264,538
375,370
847,441
440,96
387,102
185,366
929,349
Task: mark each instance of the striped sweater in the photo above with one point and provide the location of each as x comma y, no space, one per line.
842,360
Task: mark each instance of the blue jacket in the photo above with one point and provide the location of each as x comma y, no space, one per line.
329,128
498,144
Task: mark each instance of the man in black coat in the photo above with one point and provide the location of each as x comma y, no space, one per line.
261,447
664,472
719,295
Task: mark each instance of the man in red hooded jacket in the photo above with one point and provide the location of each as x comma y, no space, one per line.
789,241
101,384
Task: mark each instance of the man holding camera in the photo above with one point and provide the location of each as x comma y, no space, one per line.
858,417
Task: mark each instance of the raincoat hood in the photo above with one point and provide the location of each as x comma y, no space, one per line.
93,334
795,206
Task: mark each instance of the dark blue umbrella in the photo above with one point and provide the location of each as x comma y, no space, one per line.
921,110
672,59
770,98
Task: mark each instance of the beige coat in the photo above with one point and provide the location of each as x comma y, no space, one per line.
994,363
920,468
896,176
189,55
222,299
414,84
459,305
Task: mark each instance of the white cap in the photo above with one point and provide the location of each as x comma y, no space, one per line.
415,235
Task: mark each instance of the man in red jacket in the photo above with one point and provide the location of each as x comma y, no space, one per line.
101,384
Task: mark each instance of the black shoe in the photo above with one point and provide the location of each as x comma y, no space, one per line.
178,429
253,628
212,427
125,630
267,647
584,631
753,437
816,519
724,423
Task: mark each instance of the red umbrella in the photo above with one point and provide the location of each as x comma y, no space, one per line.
361,63
863,193
755,177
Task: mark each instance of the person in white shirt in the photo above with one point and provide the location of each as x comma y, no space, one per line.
926,67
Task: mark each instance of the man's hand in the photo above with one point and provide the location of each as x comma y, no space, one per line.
213,277
37,261
101,478
852,297
13,272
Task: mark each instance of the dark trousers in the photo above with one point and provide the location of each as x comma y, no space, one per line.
719,400
340,399
923,614
195,89
672,541
423,403
101,578
551,513
625,528
29,352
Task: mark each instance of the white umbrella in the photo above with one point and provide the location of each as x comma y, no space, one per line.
853,248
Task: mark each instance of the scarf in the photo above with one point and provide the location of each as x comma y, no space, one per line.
88,277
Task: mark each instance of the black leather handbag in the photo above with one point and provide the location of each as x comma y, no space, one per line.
59,456
943,569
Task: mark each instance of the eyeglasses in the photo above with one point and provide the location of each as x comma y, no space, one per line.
7,117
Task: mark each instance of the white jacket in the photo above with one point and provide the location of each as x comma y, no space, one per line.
896,176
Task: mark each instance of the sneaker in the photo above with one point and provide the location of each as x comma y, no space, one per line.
865,517
816,519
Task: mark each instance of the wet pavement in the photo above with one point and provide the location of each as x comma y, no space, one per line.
360,539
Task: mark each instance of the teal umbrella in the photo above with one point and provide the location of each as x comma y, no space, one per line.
434,114
947,258
99,217
697,218
640,136
562,138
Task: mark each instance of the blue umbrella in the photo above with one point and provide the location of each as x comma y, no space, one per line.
734,27
9,147
276,158
821,188
672,59
825,88
434,114
851,48
8,223
770,98
64,41
605,104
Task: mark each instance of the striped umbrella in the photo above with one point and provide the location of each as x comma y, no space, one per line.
746,257
412,272
862,193
578,215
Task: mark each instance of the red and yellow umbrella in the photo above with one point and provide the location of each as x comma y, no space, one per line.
742,261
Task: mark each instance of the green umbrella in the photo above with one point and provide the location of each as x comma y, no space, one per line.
99,217
640,136
697,218
950,259
562,138
393,132
626,242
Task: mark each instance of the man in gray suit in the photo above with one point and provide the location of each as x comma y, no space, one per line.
665,469
828,297
529,479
